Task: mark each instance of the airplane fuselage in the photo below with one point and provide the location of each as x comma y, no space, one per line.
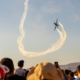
55,24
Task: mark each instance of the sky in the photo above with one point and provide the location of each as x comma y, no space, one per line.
39,30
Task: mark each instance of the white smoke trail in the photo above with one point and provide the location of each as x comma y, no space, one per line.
19,41
53,48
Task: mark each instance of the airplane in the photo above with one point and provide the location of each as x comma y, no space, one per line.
56,24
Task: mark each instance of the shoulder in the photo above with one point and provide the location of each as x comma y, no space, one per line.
21,77
66,78
17,77
17,69
20,70
77,79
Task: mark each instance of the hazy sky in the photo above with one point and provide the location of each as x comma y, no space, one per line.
39,30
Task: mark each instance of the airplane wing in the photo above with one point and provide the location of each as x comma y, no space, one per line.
54,23
54,28
57,21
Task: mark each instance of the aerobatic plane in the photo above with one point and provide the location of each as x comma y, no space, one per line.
56,24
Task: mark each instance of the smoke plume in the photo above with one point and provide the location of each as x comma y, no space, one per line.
54,47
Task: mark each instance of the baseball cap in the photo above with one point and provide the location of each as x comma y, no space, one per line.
3,70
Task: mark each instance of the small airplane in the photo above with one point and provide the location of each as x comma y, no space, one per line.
56,24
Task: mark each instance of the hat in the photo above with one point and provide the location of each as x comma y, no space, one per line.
20,63
31,67
3,70
44,71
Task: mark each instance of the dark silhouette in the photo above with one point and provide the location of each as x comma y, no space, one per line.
56,24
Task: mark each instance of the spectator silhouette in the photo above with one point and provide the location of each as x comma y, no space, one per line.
78,70
20,71
10,75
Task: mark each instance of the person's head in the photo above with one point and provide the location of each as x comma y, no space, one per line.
21,63
69,71
75,74
9,63
44,71
72,74
78,69
66,72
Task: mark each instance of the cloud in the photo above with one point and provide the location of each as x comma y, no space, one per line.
31,8
51,10
51,7
74,17
39,28
38,17
20,1
42,27
64,7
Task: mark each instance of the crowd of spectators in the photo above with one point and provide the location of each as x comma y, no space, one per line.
42,71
